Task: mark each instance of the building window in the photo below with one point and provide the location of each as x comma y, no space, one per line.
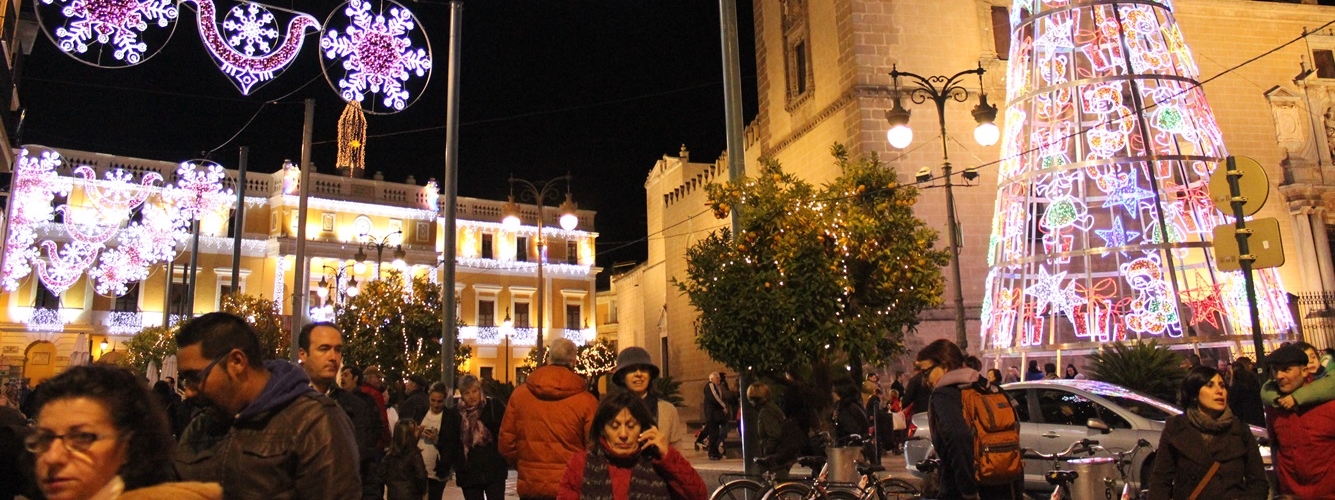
521,248
521,315
797,52
1001,31
572,252
231,223
663,344
486,246
572,317
486,313
1324,60
45,299
128,302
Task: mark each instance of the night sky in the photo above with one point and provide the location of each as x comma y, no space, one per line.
598,88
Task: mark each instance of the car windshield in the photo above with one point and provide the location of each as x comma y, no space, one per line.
1133,402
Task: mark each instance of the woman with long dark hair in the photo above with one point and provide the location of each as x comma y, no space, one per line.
1207,452
628,456
402,469
101,434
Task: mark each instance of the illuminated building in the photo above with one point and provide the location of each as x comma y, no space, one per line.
90,236
822,77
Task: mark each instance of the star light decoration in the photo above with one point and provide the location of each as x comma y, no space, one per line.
1101,213
245,44
96,235
107,33
373,56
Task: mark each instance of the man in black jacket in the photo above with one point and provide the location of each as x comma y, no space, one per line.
414,404
320,348
266,433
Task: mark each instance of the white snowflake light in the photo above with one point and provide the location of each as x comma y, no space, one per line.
378,55
245,44
87,29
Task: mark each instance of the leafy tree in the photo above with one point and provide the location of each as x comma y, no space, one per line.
396,328
669,390
262,314
814,275
595,359
1145,367
152,344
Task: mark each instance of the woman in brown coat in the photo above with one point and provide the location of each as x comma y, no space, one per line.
1207,452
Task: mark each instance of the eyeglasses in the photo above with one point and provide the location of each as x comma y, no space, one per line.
193,380
73,441
928,369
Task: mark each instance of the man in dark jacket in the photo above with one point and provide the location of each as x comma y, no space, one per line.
414,404
266,433
716,416
320,348
941,365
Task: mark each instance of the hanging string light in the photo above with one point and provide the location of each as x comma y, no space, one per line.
351,160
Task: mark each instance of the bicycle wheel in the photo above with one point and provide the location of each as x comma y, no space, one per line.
897,489
789,491
739,489
842,495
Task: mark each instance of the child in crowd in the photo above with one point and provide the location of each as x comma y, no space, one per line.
402,469
1320,388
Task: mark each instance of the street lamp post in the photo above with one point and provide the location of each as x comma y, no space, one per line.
940,90
507,329
371,242
338,292
539,193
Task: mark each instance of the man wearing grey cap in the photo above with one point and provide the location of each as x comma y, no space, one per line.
1304,436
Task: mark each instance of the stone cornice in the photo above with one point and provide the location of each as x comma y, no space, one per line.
849,96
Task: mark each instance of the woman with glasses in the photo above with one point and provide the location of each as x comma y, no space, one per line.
100,435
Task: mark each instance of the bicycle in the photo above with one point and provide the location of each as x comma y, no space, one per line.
1059,477
869,487
746,488
1123,459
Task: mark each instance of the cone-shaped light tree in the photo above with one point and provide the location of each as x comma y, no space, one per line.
1103,220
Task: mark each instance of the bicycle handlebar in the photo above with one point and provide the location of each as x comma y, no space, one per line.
1140,443
1083,445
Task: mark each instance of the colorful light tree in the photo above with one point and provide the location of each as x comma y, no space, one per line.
1102,224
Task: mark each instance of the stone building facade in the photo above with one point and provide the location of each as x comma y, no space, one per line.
823,77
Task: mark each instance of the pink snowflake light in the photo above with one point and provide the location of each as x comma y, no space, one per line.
88,29
378,54
252,27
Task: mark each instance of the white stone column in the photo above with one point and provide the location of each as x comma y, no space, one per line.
1307,263
1322,244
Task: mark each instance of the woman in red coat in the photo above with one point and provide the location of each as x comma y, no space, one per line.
628,449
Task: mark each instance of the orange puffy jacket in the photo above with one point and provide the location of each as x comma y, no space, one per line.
547,421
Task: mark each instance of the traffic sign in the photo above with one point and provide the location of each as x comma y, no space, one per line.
1253,186
1263,243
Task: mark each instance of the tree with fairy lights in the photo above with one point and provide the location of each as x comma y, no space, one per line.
396,327
595,359
814,276
262,314
151,345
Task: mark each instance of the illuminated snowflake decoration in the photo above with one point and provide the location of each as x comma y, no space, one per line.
378,55
85,29
198,191
246,44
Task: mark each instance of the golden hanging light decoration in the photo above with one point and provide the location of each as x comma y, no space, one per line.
351,141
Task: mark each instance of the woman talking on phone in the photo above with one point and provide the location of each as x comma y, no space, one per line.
628,455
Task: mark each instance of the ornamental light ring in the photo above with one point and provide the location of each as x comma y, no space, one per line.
375,52
108,33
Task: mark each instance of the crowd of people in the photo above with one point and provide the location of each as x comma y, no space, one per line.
254,428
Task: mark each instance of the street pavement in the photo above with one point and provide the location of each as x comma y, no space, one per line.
714,473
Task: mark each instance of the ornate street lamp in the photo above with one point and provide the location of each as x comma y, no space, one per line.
379,245
337,289
940,90
539,193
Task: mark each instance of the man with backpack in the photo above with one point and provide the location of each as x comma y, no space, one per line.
974,428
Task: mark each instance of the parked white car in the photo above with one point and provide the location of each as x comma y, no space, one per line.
1056,413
